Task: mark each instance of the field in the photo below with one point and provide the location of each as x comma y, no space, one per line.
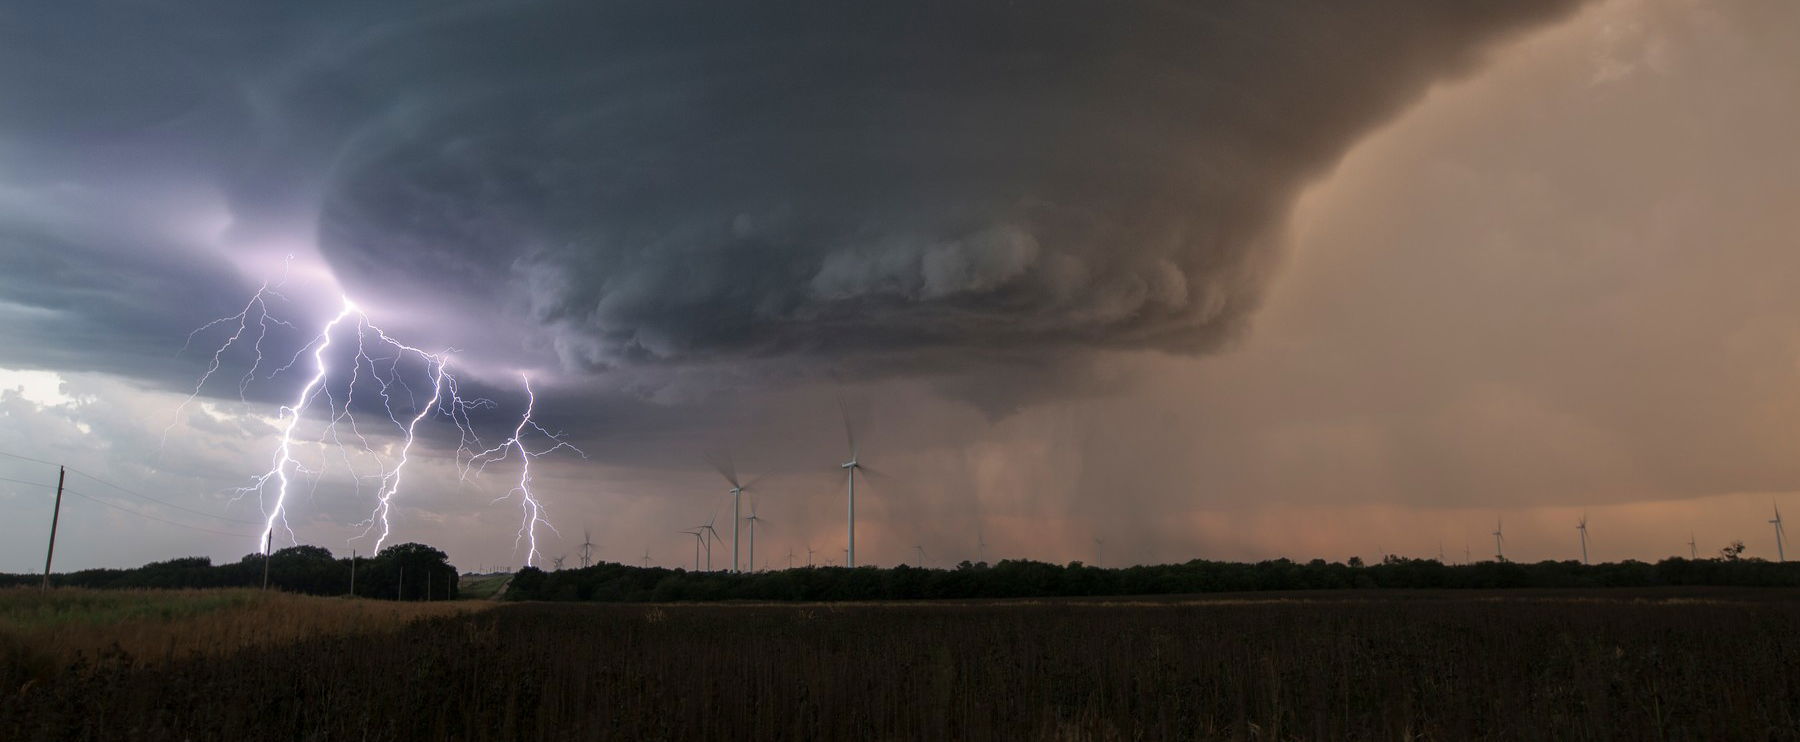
1621,664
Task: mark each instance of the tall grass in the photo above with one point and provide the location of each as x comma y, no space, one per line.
41,631
1430,666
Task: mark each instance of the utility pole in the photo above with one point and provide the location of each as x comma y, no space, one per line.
400,589
268,547
55,515
352,573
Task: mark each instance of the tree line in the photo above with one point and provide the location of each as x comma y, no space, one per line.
613,582
407,571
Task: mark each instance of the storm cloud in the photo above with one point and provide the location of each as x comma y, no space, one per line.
920,185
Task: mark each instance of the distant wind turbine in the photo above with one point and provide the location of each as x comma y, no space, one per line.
557,562
1499,539
921,551
697,534
850,466
809,554
1693,549
753,520
587,548
723,463
790,557
1099,552
646,559
1780,549
1581,526
980,544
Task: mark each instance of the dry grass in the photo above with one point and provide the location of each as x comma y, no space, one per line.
40,629
1672,665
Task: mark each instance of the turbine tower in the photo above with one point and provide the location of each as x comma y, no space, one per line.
1581,525
1693,549
850,466
696,534
753,519
646,560
587,548
709,535
1499,539
723,463
809,554
1780,550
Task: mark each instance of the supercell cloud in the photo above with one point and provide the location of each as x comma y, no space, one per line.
607,186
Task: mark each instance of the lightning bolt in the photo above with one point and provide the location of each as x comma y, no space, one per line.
533,513
273,486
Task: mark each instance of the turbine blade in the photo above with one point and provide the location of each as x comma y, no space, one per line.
721,461
849,431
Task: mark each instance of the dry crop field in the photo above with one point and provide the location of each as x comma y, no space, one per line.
1643,664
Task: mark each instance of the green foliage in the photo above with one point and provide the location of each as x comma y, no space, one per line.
611,582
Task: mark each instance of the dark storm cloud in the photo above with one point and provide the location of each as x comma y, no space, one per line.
928,184
669,182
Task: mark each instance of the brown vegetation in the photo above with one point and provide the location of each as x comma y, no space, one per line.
1429,665
41,630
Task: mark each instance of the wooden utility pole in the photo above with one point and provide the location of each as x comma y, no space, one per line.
352,573
400,591
55,515
268,542
428,586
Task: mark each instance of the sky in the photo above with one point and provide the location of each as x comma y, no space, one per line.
1140,282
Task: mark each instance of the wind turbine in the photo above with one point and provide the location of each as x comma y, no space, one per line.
1441,551
557,563
850,466
723,463
921,551
1499,539
809,553
1581,526
1780,550
980,545
587,548
1693,550
696,534
710,535
753,519
790,557
646,559
1099,552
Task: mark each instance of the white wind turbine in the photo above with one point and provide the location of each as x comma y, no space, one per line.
1581,526
1780,549
710,535
587,548
1693,549
850,466
697,534
1499,539
723,463
809,555
753,519
921,552
790,557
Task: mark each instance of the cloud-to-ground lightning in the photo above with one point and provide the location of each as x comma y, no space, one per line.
344,364
532,509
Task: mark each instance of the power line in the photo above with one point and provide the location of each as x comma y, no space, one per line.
164,502
133,493
124,509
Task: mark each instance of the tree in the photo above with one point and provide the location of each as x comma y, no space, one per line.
1733,552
